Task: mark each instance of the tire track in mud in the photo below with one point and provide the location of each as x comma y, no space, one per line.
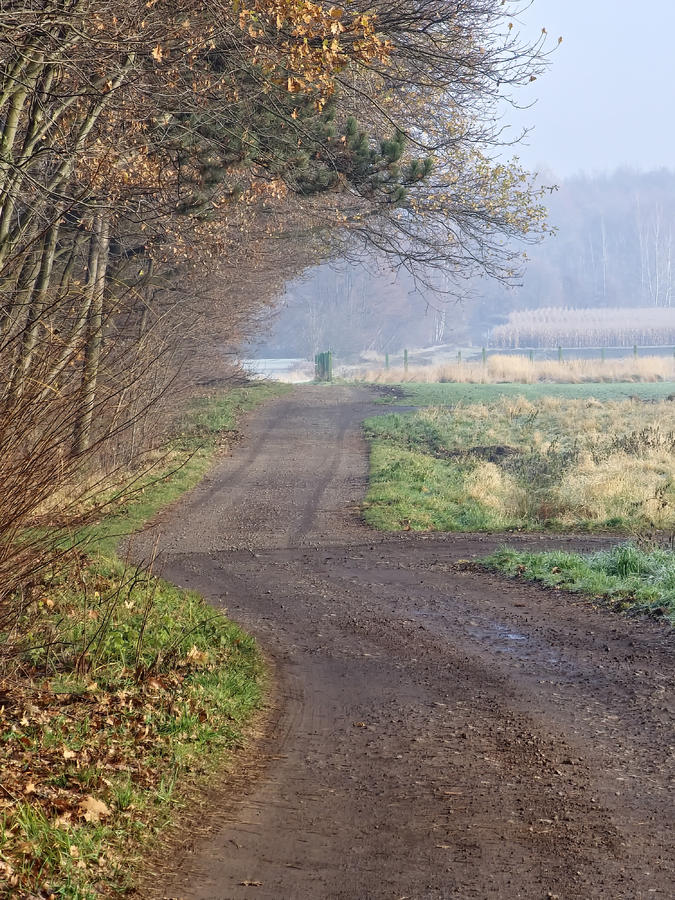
438,733
309,515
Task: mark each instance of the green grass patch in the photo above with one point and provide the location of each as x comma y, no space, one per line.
626,577
411,490
128,693
511,462
449,394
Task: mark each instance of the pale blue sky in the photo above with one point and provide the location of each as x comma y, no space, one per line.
607,99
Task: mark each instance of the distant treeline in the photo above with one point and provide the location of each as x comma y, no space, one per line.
614,246
606,327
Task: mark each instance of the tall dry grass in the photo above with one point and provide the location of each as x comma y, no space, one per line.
520,463
582,460
519,369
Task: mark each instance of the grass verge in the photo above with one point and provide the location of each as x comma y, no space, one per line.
130,691
627,578
509,462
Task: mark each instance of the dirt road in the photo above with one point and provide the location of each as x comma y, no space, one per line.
439,733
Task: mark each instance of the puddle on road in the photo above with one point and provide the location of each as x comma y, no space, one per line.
501,638
505,640
490,629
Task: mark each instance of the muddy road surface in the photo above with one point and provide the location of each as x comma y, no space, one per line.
436,732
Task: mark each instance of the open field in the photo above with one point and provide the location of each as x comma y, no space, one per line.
127,692
450,394
512,462
502,367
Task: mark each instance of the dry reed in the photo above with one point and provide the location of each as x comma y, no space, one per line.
519,369
603,327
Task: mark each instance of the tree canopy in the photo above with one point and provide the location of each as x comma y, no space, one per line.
164,167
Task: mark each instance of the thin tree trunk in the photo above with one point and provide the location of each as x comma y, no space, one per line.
14,311
64,283
94,344
35,299
11,236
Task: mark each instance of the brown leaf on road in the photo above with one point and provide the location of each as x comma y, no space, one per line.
251,883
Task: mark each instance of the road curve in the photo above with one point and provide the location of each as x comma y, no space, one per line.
437,732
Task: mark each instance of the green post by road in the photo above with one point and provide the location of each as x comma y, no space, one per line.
323,366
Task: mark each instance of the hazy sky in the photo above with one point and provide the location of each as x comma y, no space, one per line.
607,99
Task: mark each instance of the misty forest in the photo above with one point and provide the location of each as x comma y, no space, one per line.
612,247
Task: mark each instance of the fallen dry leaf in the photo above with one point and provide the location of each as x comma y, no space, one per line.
69,754
251,883
197,656
92,809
